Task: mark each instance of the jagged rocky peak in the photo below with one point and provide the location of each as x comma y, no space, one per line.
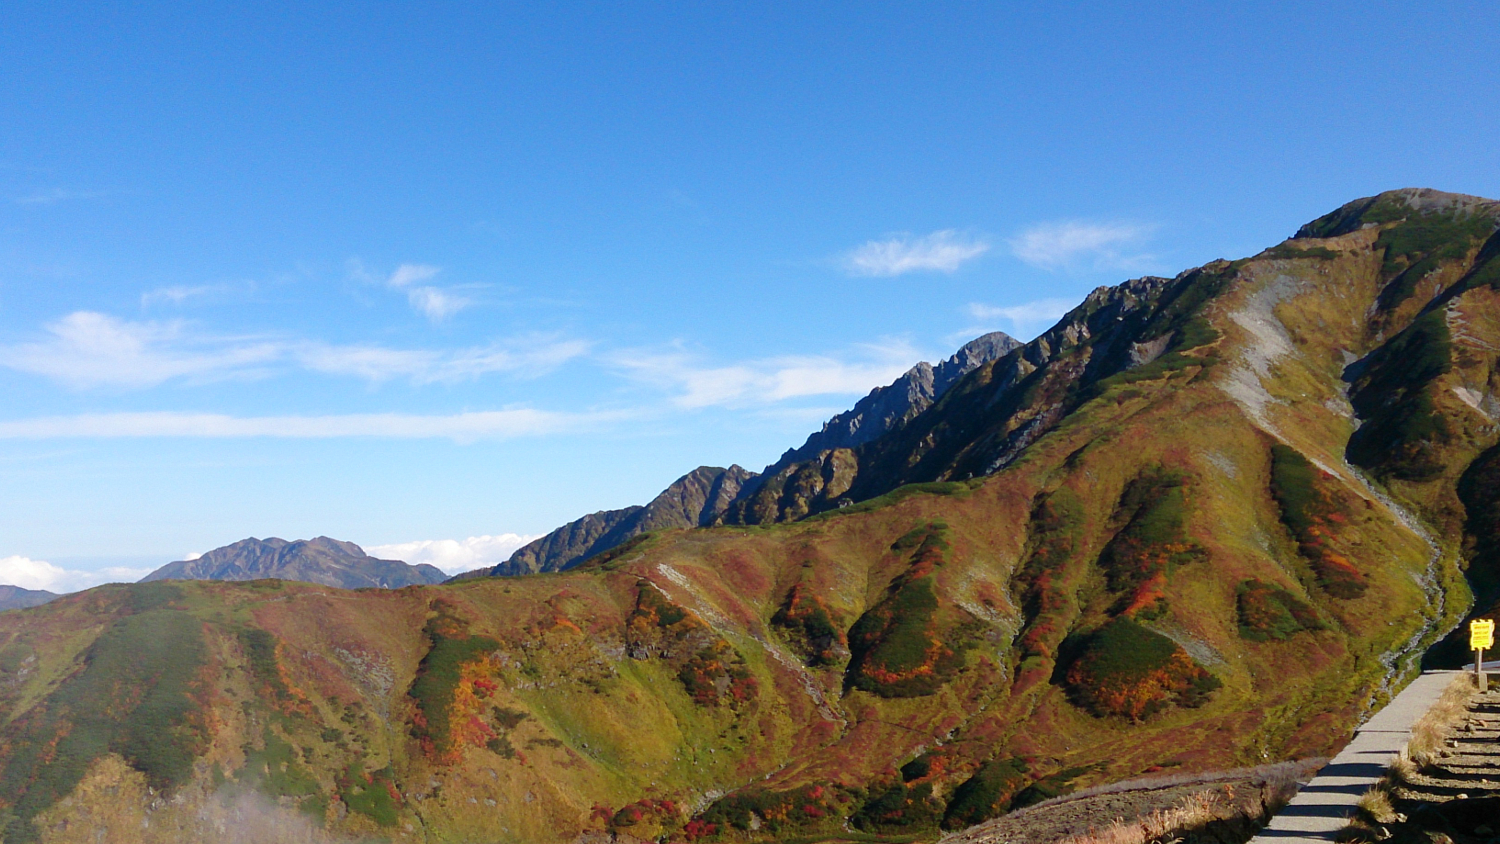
1103,308
693,500
323,560
888,407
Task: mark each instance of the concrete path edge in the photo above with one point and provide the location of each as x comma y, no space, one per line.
1325,804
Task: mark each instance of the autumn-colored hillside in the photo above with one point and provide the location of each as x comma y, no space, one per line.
1205,522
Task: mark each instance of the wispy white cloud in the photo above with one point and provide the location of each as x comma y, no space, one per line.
1024,320
941,251
52,196
435,303
179,293
1073,244
767,380
407,274
526,356
40,574
454,555
87,349
459,427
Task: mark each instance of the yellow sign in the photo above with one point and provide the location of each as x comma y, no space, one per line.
1481,634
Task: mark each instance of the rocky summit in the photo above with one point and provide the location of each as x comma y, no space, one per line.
320,560
1204,522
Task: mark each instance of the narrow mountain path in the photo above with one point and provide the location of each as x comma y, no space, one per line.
1322,808
1456,797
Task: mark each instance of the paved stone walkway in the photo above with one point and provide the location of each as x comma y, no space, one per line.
1457,791
1324,805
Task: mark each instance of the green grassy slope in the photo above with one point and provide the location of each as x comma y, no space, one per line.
1175,568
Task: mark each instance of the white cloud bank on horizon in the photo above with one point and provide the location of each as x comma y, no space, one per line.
766,380
459,427
1074,244
454,556
1025,320
941,251
40,574
86,349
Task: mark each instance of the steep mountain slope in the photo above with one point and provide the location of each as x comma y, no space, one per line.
1162,560
693,500
16,598
703,496
320,560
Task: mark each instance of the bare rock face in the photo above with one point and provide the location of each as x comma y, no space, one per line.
320,560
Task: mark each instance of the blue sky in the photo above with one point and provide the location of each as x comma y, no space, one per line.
436,277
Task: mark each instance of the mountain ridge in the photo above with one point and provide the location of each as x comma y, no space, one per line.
704,496
693,500
17,598
322,560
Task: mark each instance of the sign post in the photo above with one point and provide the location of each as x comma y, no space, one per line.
1481,638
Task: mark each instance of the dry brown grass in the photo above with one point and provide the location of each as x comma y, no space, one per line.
1428,733
1427,736
1166,826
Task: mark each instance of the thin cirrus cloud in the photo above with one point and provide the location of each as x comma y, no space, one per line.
528,356
764,381
52,196
87,350
458,427
180,293
454,555
1077,244
942,251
